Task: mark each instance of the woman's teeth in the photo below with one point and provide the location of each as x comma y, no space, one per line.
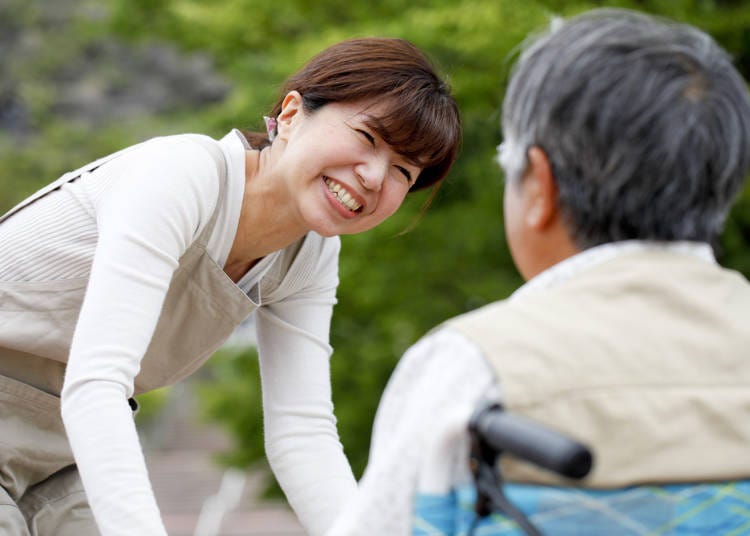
342,195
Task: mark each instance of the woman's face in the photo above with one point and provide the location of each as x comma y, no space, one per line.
344,177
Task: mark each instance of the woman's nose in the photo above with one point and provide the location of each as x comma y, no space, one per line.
372,173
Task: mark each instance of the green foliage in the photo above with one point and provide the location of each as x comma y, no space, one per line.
734,250
233,397
150,404
394,286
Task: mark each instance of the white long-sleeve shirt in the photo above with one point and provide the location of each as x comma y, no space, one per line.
125,227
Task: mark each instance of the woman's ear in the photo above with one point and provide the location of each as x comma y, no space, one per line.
291,110
542,191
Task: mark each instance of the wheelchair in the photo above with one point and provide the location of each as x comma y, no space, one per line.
493,507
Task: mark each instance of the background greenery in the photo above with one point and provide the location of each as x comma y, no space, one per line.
394,287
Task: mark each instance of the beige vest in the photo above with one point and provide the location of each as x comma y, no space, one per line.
646,358
201,309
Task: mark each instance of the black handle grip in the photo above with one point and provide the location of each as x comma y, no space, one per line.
530,441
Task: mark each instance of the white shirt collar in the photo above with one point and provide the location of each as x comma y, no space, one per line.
589,258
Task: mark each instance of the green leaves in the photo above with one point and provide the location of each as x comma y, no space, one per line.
394,287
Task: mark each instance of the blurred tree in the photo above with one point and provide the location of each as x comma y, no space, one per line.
394,286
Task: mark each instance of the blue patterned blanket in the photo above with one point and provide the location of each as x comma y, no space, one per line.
721,509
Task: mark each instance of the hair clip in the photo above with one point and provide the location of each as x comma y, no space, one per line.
270,127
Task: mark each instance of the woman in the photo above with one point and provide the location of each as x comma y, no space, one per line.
127,274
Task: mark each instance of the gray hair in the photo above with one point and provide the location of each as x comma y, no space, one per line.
645,123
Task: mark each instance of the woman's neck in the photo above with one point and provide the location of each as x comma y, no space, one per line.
268,221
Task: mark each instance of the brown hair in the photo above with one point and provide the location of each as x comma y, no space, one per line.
421,120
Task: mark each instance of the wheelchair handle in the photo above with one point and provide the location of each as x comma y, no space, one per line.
530,441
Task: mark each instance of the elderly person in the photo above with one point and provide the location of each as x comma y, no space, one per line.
626,140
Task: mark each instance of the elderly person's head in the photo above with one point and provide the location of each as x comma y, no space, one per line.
643,126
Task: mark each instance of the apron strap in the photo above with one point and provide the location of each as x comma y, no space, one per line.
217,155
64,179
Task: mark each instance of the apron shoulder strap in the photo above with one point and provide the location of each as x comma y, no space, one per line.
209,144
64,179
213,148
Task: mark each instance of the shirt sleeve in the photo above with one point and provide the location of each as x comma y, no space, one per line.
420,440
301,439
154,201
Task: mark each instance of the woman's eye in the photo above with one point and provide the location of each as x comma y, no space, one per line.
369,137
405,173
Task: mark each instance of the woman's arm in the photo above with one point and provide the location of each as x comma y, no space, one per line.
154,203
302,442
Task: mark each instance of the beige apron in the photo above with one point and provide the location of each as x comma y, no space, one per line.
37,320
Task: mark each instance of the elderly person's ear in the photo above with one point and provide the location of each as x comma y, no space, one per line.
540,190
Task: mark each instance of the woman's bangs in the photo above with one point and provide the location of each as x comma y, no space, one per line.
423,133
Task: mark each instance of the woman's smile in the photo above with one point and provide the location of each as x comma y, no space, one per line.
344,200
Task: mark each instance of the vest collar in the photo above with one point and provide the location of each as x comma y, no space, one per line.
596,255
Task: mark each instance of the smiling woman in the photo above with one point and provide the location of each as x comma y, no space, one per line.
125,275
348,184
417,115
